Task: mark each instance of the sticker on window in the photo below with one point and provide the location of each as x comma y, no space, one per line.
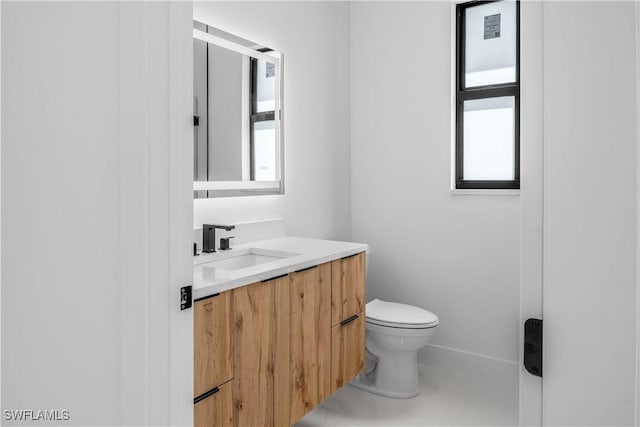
271,70
492,26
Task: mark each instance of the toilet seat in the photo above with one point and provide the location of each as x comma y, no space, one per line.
396,315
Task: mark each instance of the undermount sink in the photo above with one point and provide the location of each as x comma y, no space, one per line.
246,258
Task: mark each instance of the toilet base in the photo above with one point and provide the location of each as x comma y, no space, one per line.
365,382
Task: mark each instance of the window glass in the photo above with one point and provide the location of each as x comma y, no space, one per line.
264,151
489,132
266,86
490,44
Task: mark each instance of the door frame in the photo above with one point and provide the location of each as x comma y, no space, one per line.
637,397
156,213
531,197
180,17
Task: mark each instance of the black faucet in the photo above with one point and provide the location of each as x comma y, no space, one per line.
209,236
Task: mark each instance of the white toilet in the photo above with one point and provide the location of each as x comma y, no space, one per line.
395,334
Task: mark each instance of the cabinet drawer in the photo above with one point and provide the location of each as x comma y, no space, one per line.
347,287
347,350
212,353
215,410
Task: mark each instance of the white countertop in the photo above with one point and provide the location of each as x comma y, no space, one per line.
309,253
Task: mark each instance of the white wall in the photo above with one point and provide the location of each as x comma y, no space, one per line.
96,211
457,256
590,213
314,39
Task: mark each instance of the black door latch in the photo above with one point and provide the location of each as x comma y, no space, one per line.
533,346
186,297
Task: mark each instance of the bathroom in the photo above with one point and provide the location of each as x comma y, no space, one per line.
94,98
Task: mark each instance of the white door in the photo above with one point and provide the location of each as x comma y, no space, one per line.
579,210
590,173
96,210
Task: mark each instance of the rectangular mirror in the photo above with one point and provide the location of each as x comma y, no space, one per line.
237,106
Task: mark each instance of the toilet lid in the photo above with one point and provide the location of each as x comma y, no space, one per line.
399,315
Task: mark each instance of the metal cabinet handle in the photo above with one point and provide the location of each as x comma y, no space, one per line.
349,320
207,297
274,278
306,269
205,395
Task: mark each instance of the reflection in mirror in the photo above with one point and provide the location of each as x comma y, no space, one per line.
237,116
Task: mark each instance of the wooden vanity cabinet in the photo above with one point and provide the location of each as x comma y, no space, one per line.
347,319
213,361
310,370
276,349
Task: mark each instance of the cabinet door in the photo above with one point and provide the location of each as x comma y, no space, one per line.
253,320
347,350
310,293
253,324
261,345
215,410
347,287
212,353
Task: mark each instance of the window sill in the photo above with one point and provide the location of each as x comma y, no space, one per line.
477,192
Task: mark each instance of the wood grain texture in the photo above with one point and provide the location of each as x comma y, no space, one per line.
254,343
347,287
310,350
282,374
215,410
324,333
347,351
213,347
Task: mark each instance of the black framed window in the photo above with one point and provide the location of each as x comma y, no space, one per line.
262,140
488,95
